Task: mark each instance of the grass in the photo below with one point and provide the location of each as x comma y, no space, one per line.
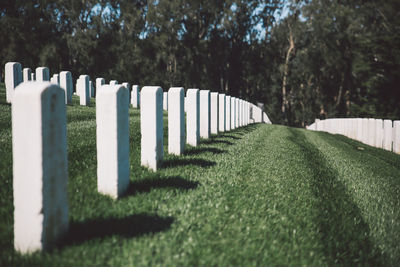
258,195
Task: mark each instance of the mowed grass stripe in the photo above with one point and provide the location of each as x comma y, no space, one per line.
371,177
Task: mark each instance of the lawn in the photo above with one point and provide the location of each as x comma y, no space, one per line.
255,196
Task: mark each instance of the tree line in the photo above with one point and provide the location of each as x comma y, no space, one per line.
325,58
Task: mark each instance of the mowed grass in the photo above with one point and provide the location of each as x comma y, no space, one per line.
258,195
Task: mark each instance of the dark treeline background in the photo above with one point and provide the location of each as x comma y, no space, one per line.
323,58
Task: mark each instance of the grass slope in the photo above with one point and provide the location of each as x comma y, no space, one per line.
259,195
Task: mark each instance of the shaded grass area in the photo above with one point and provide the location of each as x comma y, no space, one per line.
258,195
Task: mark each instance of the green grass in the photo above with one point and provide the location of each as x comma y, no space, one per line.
258,195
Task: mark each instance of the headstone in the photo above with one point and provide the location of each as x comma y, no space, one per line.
233,113
176,121
151,125
227,113
55,79
128,86
388,135
39,166
13,77
83,90
135,96
112,131
237,113
27,73
396,137
365,130
371,132
193,117
165,101
185,105
99,82
113,82
214,113
33,77
205,114
221,113
359,129
91,88
379,133
42,74
67,85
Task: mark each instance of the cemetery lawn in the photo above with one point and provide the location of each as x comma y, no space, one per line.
258,195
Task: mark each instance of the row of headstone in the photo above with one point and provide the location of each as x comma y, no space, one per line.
374,132
40,166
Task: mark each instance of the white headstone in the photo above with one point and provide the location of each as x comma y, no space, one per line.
113,82
237,113
185,105
128,86
13,77
67,85
39,166
55,79
165,101
193,117
227,113
112,131
205,114
99,82
214,113
365,130
221,112
83,90
135,96
396,137
371,132
151,125
379,133
33,77
388,135
42,74
27,73
91,88
233,112
176,121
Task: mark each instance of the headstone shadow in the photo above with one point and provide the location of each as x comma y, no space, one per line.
200,150
148,184
128,227
176,162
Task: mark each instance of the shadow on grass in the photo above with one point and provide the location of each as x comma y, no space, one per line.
344,233
199,150
148,184
176,162
128,227
214,140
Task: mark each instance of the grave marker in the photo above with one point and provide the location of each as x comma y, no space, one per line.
388,135
13,77
205,114
27,73
165,101
227,113
193,117
39,166
221,112
135,96
151,125
233,113
113,82
214,113
66,84
176,121
396,137
42,74
83,90
112,131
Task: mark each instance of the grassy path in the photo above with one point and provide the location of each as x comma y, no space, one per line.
259,195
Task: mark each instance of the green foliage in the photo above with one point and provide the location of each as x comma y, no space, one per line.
258,195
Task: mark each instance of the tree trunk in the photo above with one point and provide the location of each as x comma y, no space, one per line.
285,101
